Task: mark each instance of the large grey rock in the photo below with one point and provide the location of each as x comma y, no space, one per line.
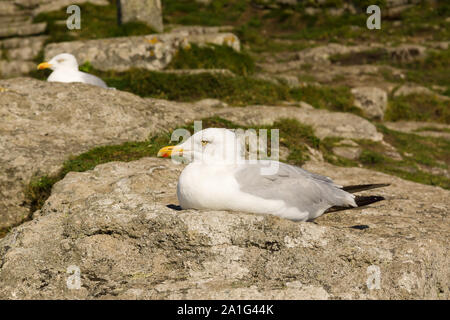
372,101
147,11
42,123
152,52
114,226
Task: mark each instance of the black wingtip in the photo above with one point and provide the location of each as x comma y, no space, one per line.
366,200
363,187
360,201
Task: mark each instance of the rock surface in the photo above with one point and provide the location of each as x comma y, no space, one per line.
113,224
152,52
43,123
372,101
147,11
430,129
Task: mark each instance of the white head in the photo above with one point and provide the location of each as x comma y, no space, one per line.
212,145
61,61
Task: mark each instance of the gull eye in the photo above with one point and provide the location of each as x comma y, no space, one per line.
60,60
204,142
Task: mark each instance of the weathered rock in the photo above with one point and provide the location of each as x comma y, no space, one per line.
224,72
407,53
211,103
372,101
42,123
325,123
147,11
351,153
22,30
113,224
19,53
15,68
34,42
421,128
152,52
319,55
290,81
408,89
193,30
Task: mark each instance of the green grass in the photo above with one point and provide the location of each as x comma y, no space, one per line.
184,87
418,107
213,57
97,22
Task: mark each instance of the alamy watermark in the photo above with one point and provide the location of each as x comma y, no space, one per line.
374,20
244,146
374,277
74,280
74,20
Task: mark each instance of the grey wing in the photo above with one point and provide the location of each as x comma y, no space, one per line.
96,81
307,191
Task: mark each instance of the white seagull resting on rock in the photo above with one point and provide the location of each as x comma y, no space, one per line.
219,178
65,69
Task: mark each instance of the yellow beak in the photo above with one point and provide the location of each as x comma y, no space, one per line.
168,151
43,65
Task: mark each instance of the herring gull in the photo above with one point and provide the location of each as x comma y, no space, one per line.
219,178
65,69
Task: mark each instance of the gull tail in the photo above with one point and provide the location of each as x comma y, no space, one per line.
363,187
361,201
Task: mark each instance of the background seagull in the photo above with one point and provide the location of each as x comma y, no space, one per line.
219,178
65,69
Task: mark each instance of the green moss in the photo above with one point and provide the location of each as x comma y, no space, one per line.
97,22
184,87
419,107
213,57
370,157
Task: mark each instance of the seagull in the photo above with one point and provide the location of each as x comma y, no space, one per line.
219,177
65,69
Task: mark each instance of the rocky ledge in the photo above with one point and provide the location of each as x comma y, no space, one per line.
116,228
